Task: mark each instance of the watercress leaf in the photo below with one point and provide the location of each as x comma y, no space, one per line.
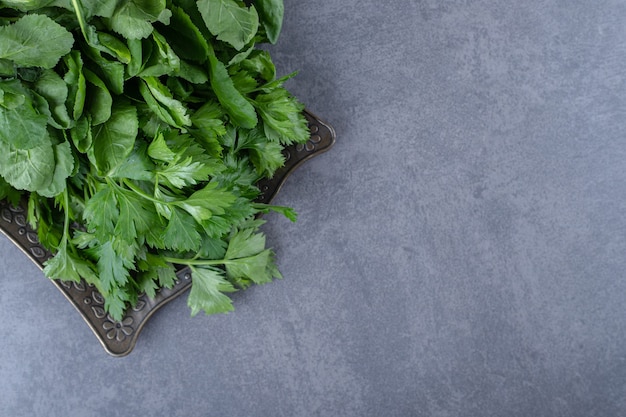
80,134
114,47
184,36
104,8
52,87
192,73
76,83
237,106
21,126
114,140
271,15
207,292
26,5
181,233
136,57
160,57
169,109
99,100
111,72
230,21
133,18
64,165
35,41
27,169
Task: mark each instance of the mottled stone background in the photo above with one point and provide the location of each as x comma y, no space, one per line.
461,251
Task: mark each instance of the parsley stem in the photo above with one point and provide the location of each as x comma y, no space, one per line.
196,262
139,191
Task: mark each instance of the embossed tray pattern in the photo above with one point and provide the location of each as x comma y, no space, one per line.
119,337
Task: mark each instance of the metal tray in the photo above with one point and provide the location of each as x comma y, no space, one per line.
119,337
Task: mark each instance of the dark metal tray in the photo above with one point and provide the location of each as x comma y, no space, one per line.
119,337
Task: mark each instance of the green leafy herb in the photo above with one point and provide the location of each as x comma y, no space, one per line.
138,131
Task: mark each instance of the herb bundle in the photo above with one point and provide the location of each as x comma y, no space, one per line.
138,130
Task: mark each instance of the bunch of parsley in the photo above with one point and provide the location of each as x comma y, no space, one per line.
138,130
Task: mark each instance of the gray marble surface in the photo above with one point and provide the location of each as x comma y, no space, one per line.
461,251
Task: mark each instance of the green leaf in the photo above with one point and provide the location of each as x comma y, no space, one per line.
266,156
76,83
133,18
21,126
137,166
111,72
81,134
159,270
27,169
9,193
101,213
271,15
181,233
230,21
184,173
238,108
245,243
64,165
26,5
207,292
260,62
258,268
137,217
282,117
160,100
185,37
159,150
160,57
114,140
104,8
209,127
114,47
111,269
99,101
52,87
35,41
136,57
208,201
67,266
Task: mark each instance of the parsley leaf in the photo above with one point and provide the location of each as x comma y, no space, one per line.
207,291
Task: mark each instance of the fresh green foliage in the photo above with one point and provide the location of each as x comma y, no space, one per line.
138,130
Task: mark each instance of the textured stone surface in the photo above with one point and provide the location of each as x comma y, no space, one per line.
460,251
